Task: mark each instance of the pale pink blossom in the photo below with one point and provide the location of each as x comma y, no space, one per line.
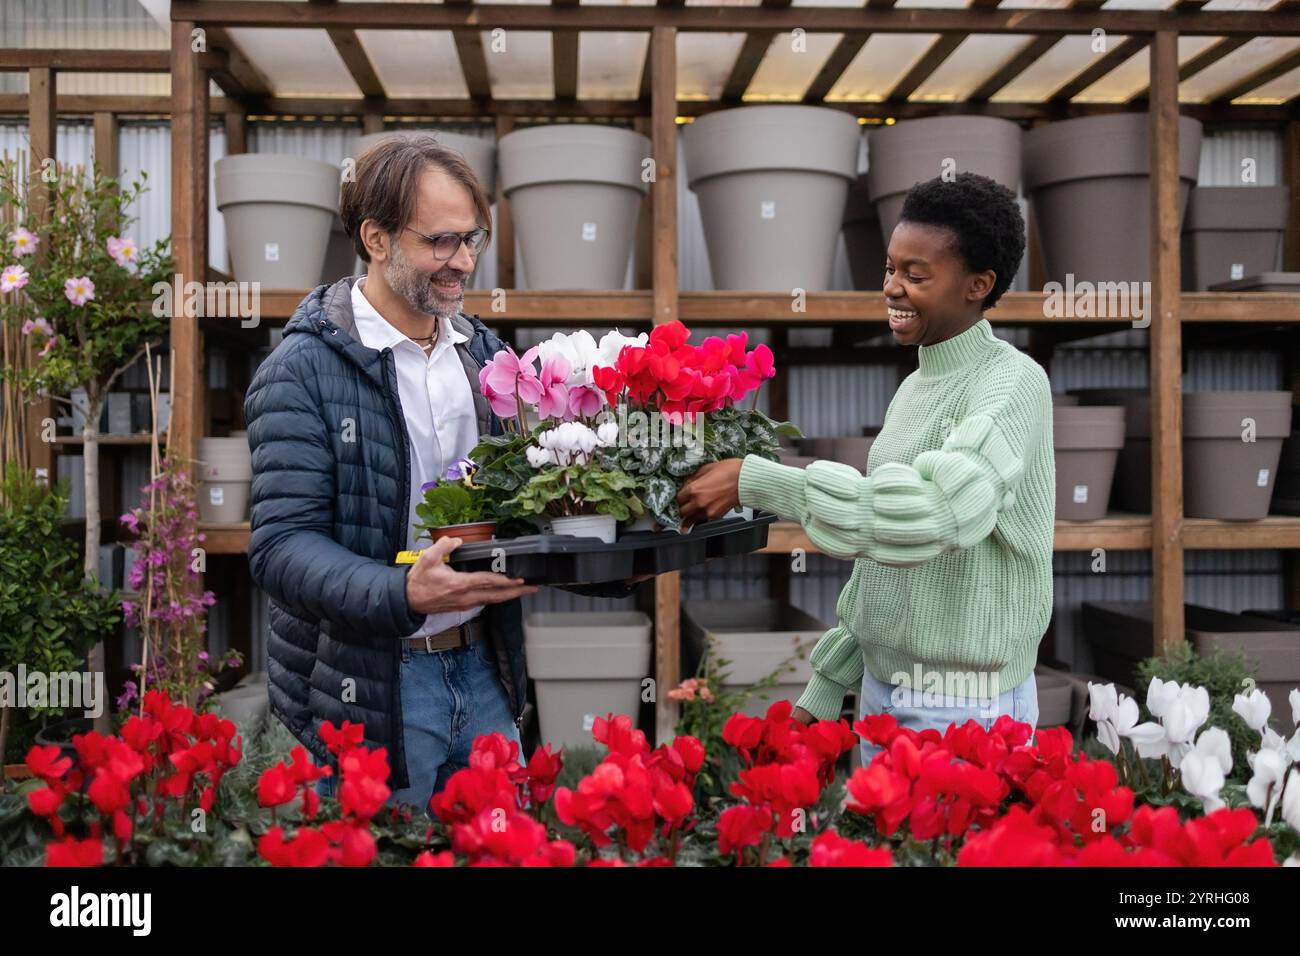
13,278
24,243
79,290
122,250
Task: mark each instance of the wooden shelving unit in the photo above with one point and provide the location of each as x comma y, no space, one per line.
1166,533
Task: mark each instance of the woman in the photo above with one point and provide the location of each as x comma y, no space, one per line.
952,526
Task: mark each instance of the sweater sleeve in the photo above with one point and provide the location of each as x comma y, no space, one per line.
837,665
904,515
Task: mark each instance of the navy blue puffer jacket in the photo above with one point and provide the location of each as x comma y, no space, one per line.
331,475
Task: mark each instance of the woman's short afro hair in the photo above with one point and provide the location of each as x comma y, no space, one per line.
983,216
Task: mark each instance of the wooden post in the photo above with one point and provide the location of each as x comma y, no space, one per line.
189,237
42,133
663,198
236,132
643,256
505,230
372,121
1166,348
106,155
1291,176
663,121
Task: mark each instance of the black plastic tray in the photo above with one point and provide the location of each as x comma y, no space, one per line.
563,559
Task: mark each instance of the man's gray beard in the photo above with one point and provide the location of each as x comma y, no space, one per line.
416,287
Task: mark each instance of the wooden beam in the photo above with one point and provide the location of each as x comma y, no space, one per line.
564,58
504,234
97,61
664,187
354,57
933,58
469,48
239,78
459,15
748,60
42,134
236,133
1291,175
106,139
189,142
1258,78
1166,348
1099,68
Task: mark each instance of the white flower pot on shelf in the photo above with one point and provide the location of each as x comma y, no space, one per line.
604,527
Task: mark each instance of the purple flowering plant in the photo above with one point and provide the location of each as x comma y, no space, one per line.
454,498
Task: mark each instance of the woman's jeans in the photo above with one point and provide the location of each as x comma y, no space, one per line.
917,708
448,698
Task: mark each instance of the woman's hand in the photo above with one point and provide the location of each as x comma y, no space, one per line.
711,492
803,716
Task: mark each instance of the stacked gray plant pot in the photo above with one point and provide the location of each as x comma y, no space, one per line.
1088,182
278,211
575,191
1232,232
772,183
903,154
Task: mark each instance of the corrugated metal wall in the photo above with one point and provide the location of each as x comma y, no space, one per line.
824,400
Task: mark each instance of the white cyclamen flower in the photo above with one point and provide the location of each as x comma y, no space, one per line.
1186,714
613,341
540,457
1268,768
607,434
1294,698
1115,714
1254,708
1160,696
1291,801
579,349
1205,767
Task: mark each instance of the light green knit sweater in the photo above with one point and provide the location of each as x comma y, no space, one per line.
952,526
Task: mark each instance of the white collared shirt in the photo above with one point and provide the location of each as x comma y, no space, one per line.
439,408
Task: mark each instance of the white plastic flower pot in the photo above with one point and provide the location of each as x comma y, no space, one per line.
604,527
225,477
278,211
575,192
772,182
584,666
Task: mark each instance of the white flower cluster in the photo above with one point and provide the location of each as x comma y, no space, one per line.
584,353
1204,761
571,443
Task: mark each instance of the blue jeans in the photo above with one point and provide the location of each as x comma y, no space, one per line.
448,698
948,704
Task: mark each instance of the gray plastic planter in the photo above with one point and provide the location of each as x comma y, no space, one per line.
862,239
1120,635
1286,492
755,637
1132,483
480,153
772,183
1231,232
575,191
1087,440
225,476
1088,181
340,256
1264,282
1225,475
584,666
913,151
278,211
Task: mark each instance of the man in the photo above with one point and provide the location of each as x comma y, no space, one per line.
373,392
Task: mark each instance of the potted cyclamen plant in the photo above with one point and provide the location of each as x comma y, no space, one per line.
455,507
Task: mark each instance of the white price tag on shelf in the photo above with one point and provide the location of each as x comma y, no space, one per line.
588,721
1261,480
588,232
272,252
1080,494
767,209
217,495
1238,271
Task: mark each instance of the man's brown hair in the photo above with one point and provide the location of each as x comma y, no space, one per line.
385,180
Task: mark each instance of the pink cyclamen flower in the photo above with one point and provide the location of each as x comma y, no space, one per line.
584,401
13,278
79,290
24,243
509,374
554,400
122,250
40,324
503,406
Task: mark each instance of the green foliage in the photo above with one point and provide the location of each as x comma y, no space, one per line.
50,616
560,490
1224,675
502,470
449,503
94,341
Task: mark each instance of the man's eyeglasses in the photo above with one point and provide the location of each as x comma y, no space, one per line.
447,244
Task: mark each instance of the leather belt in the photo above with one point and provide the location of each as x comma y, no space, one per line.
462,635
